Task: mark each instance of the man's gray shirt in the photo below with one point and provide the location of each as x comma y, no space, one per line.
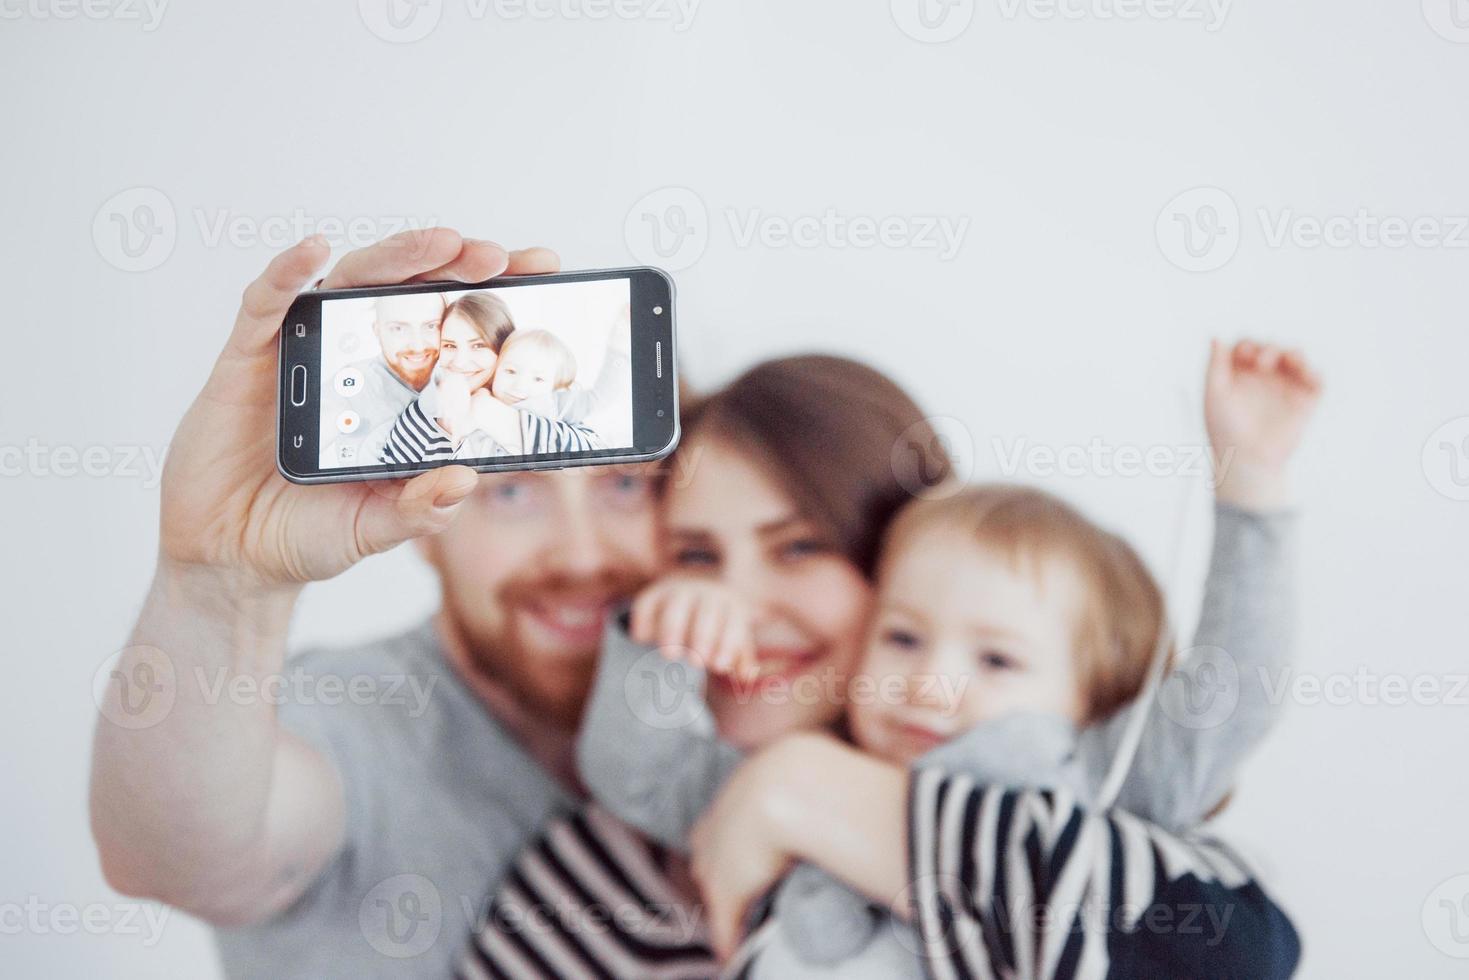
439,796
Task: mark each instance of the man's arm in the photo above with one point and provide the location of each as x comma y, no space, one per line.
213,809
211,806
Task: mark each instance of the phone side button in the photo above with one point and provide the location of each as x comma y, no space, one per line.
298,385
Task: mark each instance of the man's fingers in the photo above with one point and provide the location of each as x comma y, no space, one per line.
477,261
424,505
423,254
267,299
533,262
395,259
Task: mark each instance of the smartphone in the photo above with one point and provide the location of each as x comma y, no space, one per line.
516,373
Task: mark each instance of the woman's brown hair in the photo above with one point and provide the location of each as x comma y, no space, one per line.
488,313
846,444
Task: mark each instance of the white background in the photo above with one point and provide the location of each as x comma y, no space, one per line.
1064,316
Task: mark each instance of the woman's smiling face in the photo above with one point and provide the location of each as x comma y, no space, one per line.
465,352
731,522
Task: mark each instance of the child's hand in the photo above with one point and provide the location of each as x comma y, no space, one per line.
452,402
702,622
1257,401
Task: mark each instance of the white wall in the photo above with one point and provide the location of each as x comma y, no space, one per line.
1057,143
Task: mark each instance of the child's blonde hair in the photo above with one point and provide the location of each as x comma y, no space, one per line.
548,342
1122,610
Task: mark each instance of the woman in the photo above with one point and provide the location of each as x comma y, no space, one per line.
780,490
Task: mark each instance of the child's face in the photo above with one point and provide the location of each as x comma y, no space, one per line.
464,352
525,371
960,637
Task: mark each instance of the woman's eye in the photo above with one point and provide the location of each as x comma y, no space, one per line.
997,660
802,548
450,345
904,639
695,558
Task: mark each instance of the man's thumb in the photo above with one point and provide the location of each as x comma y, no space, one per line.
424,505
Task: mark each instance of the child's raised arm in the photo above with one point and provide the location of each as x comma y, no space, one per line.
1257,401
1216,704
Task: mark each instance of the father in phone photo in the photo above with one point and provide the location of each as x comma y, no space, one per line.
368,395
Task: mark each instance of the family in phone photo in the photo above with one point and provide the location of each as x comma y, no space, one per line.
475,375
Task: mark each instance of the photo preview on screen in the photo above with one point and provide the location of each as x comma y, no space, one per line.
474,375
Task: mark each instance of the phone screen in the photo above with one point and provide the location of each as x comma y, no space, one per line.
477,375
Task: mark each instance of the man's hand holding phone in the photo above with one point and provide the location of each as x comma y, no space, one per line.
169,800
225,507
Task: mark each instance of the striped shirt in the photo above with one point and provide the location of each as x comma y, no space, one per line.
417,438
1004,883
1029,884
589,899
